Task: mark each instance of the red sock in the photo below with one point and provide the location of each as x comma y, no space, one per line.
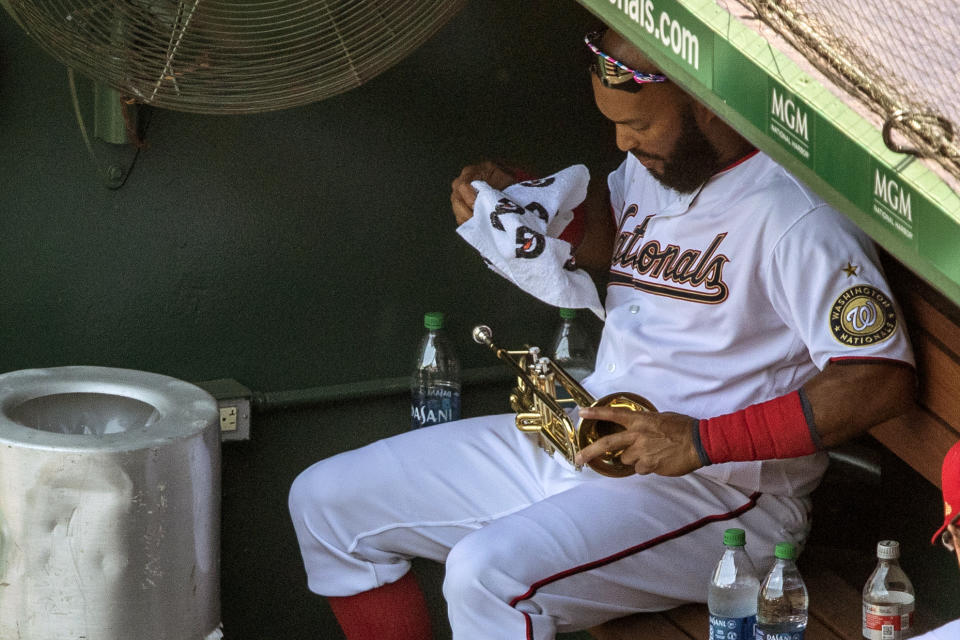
395,611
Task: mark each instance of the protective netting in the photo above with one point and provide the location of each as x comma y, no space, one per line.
901,59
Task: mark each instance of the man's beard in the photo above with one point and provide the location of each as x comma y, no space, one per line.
693,161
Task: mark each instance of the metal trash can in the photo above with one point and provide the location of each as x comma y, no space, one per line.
109,506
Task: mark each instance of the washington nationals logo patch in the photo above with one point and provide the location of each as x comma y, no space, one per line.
862,316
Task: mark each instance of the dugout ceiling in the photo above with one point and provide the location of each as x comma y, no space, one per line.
717,51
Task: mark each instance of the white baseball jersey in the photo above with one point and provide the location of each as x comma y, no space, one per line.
736,294
949,631
727,297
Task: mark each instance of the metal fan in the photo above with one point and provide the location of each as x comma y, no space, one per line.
230,56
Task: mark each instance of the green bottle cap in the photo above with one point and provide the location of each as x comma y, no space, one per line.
433,320
785,551
567,314
734,537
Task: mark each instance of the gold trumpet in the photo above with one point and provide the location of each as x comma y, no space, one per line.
540,411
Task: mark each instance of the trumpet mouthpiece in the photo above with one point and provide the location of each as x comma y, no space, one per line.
482,334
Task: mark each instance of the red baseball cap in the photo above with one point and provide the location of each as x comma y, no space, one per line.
950,482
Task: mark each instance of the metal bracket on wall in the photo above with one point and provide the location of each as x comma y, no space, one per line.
233,402
118,130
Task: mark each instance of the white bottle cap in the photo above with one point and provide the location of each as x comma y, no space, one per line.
888,549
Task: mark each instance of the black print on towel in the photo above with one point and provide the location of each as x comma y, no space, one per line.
504,207
507,206
530,243
541,182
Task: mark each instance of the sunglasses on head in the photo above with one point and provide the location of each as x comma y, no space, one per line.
613,73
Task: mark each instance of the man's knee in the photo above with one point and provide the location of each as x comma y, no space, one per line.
314,494
475,569
301,492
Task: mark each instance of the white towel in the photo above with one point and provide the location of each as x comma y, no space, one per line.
516,231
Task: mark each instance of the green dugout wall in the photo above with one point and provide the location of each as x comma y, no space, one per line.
755,84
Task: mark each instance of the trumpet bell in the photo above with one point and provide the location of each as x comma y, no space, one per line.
589,431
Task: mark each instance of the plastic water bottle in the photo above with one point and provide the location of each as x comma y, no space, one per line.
732,595
888,597
435,387
783,601
572,349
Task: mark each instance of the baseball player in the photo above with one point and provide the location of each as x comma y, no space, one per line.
949,533
751,314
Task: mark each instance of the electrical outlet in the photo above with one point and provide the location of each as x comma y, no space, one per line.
228,418
233,400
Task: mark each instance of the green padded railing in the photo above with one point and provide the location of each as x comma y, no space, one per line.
905,207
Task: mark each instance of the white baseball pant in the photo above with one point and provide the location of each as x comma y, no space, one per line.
532,547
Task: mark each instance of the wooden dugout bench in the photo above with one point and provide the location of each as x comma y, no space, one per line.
920,438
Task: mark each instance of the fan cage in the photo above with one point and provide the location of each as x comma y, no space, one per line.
217,56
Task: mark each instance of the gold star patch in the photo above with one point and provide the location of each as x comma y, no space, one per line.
851,269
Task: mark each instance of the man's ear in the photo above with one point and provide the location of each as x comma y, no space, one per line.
702,115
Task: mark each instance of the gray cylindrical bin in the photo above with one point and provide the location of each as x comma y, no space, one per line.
109,506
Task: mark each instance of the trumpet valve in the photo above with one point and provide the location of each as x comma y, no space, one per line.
529,422
516,403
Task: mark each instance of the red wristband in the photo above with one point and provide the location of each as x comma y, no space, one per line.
779,428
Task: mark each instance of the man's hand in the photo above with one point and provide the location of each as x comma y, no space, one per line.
463,196
660,443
